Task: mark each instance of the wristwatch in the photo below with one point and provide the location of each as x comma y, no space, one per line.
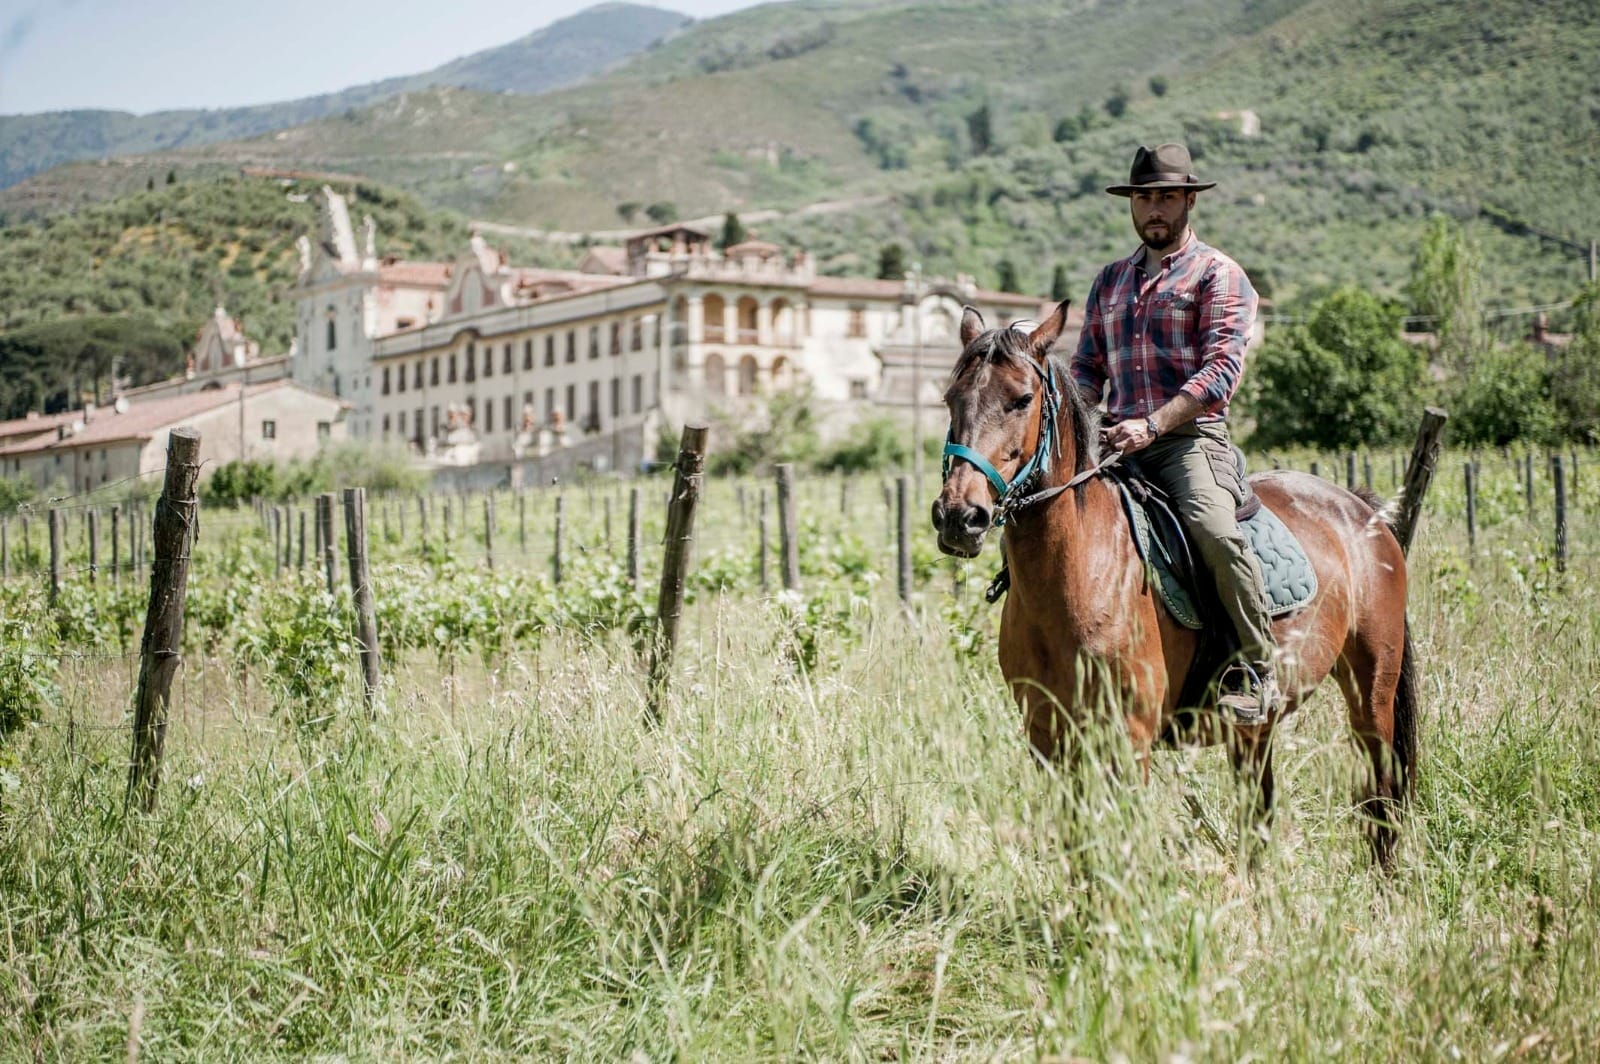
1150,427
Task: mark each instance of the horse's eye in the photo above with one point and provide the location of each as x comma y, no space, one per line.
1020,403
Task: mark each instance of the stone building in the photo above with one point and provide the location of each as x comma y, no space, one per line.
479,361
91,448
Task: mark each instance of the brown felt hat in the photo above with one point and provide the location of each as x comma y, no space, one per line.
1164,166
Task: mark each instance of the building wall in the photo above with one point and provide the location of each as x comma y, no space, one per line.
302,422
553,368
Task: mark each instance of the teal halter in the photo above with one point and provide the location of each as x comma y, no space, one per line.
1036,466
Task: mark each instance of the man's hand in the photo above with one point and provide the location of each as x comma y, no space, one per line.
1129,436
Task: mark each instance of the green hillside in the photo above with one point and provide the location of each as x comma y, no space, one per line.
983,132
133,279
563,53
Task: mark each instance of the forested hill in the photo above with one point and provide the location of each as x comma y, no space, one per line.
984,131
133,279
563,53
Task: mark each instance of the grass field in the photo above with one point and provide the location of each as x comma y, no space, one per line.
835,845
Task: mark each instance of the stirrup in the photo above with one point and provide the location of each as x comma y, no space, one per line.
1247,696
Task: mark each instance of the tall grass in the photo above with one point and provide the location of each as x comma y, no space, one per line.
854,861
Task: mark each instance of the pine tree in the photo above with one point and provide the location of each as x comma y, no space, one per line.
1008,276
1058,283
980,131
172,177
732,231
891,262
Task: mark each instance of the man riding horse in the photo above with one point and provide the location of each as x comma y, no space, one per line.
1163,341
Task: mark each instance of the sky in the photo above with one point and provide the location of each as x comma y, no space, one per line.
152,55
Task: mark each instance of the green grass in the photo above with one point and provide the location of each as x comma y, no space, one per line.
854,859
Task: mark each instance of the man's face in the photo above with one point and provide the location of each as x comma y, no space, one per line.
1161,215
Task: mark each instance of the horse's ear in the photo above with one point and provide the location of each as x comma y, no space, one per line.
971,326
1044,337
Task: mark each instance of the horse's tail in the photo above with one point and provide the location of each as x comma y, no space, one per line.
1406,711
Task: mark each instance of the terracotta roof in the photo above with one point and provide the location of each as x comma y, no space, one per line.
415,274
669,229
142,420
34,424
609,259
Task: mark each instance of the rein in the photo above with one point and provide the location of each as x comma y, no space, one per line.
1013,495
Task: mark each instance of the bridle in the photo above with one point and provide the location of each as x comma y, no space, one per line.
1014,495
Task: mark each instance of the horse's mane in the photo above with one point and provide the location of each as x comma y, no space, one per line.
1081,420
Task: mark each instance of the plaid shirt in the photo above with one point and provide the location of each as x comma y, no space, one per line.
1183,330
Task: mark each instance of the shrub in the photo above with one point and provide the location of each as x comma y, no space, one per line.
1343,378
1504,397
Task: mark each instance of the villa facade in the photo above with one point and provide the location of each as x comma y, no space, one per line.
480,361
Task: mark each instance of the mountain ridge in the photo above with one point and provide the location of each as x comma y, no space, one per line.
568,51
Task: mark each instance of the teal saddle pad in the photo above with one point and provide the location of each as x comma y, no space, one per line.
1290,579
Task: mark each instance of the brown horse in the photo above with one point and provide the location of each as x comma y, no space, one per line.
1081,626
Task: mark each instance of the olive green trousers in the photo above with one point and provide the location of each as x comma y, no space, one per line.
1194,464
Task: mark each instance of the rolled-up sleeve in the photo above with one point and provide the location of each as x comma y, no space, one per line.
1227,312
1089,360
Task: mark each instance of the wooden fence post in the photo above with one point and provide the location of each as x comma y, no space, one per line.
92,529
116,546
355,538
1419,474
330,556
1527,480
560,532
1559,480
1350,470
1470,474
686,487
54,519
278,533
633,537
160,649
300,553
788,535
488,528
902,524
762,549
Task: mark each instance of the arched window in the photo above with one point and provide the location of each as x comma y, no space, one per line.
747,320
748,375
333,334
783,323
716,376
716,317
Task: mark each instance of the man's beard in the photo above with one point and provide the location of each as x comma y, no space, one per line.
1173,232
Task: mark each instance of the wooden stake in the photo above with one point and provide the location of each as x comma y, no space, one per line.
355,538
788,536
902,489
330,555
561,523
1419,474
763,551
633,536
92,530
161,647
1559,479
675,564
488,529
55,555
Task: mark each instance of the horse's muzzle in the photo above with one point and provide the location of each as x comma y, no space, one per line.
961,526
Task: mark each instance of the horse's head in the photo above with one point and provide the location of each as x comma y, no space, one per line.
1009,422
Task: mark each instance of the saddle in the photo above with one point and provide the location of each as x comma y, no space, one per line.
1175,576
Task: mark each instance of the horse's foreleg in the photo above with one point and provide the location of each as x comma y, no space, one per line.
1250,751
